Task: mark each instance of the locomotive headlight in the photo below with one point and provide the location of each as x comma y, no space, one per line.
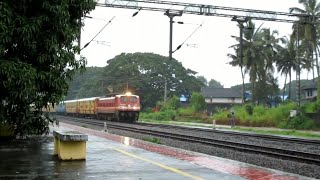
122,106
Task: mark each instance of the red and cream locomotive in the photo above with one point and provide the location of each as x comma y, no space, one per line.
117,107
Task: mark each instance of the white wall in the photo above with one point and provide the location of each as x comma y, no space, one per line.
223,100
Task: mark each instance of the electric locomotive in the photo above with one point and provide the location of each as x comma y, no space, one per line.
116,107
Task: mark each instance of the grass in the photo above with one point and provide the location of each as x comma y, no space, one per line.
269,131
282,132
152,140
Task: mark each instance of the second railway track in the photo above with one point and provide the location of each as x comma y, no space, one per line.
285,154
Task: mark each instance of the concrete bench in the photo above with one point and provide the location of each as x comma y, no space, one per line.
70,145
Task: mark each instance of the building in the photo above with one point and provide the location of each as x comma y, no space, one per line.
220,98
310,92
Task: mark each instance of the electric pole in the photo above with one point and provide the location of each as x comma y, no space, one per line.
171,15
240,22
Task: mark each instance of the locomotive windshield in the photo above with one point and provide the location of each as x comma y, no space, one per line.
131,99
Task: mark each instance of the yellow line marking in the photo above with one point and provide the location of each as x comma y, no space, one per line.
159,164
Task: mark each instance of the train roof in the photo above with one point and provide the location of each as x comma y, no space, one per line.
74,100
88,99
100,98
84,99
119,95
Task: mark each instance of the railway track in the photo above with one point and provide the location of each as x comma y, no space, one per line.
301,141
285,154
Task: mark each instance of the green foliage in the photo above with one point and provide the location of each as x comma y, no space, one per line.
168,115
146,74
152,140
36,58
268,117
309,107
318,91
203,80
261,116
249,109
214,84
299,122
221,114
87,84
197,102
187,111
197,118
172,104
148,110
280,132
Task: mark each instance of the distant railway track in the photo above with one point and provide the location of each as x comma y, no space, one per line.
286,154
233,133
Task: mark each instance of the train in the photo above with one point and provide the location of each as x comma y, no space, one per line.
113,107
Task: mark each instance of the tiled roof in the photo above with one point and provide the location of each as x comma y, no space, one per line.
311,85
221,92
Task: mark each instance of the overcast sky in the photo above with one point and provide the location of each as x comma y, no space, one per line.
204,52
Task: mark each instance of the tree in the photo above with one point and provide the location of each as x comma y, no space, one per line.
203,80
214,84
267,91
147,75
285,61
87,84
172,104
258,55
198,102
307,29
37,56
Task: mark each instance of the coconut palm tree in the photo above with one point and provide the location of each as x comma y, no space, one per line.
285,61
248,43
258,53
307,28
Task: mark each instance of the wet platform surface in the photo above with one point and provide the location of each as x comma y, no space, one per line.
116,157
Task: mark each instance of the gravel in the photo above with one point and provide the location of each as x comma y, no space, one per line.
246,140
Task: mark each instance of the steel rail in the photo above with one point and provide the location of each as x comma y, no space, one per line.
298,156
262,136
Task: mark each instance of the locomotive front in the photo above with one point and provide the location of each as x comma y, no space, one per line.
128,107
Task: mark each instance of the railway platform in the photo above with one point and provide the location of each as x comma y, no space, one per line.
111,156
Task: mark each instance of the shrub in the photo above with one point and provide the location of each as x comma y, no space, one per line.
197,102
188,111
309,107
300,122
148,110
172,104
160,116
249,109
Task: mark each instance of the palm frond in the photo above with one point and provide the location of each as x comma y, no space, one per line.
297,10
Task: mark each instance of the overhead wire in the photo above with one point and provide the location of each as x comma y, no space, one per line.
97,33
188,37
